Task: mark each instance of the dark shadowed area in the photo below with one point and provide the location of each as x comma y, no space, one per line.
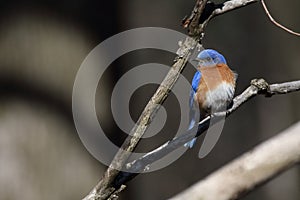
42,45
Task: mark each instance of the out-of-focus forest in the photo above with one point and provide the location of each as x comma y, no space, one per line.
42,45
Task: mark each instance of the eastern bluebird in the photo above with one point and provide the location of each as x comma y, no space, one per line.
213,87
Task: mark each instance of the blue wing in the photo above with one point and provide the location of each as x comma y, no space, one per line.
194,110
195,83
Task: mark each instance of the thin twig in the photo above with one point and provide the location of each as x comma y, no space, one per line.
277,23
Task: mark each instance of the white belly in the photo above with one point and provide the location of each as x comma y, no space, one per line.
219,98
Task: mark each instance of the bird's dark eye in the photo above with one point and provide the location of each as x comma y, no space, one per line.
209,59
201,62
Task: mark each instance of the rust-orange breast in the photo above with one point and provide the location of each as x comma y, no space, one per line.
211,78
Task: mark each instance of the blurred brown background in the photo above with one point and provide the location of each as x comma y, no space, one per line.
42,44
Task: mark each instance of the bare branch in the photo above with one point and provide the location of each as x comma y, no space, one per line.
275,22
260,86
232,5
284,88
192,22
257,87
249,170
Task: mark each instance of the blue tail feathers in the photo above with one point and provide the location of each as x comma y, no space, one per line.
191,143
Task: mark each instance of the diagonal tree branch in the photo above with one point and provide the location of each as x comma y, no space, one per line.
257,87
105,188
249,170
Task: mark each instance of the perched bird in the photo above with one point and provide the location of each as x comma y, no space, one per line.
213,87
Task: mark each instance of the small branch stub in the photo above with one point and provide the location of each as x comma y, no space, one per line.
261,85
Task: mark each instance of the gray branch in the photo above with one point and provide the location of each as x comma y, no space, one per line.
250,170
232,5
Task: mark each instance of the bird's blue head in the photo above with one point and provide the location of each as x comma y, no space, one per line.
210,57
